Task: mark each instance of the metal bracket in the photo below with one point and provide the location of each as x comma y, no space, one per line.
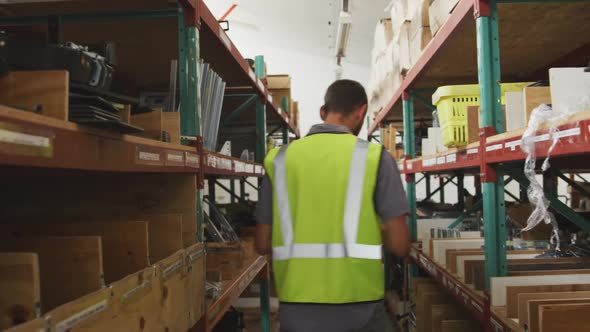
202,156
488,173
481,8
192,12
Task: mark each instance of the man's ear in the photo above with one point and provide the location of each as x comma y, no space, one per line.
323,113
361,112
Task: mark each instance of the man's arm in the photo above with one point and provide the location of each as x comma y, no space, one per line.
396,236
264,218
391,205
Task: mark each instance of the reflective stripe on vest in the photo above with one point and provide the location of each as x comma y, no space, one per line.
352,210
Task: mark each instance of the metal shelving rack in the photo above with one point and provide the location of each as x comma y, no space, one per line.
186,31
511,34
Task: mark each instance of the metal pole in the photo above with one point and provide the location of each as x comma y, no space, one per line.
232,188
211,188
461,191
442,184
488,59
242,189
410,152
260,131
264,278
428,189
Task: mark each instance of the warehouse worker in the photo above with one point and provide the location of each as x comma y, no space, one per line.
328,203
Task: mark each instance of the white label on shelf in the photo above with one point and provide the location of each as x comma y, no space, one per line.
238,166
252,74
400,166
429,162
512,145
13,137
249,168
497,327
410,165
494,147
211,161
260,84
269,97
224,38
191,159
477,306
473,151
541,138
441,160
226,164
568,132
174,157
413,254
149,156
452,158
81,316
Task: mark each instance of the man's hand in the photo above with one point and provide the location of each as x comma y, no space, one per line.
396,236
263,239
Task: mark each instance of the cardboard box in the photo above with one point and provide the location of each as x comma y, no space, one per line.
439,12
402,44
472,124
418,42
533,97
279,87
514,111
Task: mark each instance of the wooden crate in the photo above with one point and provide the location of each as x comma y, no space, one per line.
20,288
29,90
70,267
157,121
227,258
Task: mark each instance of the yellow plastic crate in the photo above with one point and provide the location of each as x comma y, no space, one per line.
451,102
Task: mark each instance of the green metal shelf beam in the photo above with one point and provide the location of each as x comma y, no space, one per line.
554,202
440,187
574,184
477,206
235,113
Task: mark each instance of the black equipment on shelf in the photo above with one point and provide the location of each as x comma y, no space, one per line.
84,66
98,112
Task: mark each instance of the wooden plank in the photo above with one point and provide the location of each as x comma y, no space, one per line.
105,194
20,288
439,247
530,318
70,266
28,89
533,97
564,317
459,326
548,272
499,284
125,244
82,313
35,325
171,124
195,282
523,298
452,255
512,293
165,234
174,298
442,312
151,122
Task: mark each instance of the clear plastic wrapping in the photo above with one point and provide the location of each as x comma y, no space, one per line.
543,116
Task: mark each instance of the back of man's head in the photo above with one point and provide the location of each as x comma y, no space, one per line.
344,96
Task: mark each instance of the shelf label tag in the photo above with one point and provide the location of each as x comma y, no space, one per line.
269,97
14,141
259,169
191,159
452,158
174,158
568,132
410,165
81,316
497,327
238,166
249,168
146,156
493,147
541,138
429,162
224,38
440,160
473,151
211,161
476,305
512,145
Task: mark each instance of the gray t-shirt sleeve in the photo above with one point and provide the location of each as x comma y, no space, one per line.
264,206
390,196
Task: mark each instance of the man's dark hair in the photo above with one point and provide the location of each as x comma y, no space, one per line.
344,96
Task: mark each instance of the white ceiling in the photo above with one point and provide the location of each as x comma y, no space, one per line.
306,25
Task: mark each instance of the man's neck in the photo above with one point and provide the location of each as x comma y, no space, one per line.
338,120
